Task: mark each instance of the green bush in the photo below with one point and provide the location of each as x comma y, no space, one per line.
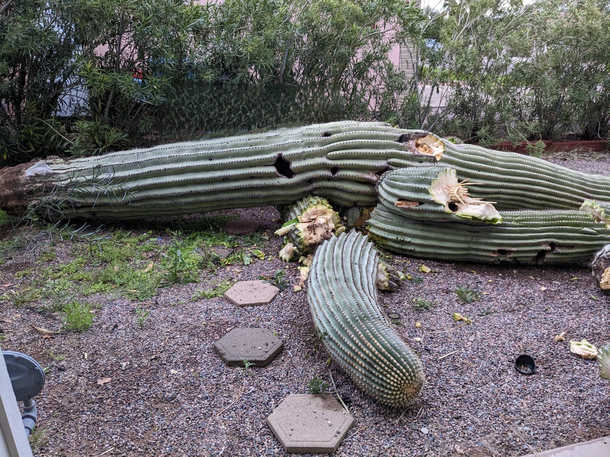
67,69
518,72
77,317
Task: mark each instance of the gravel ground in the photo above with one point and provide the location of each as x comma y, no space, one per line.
169,394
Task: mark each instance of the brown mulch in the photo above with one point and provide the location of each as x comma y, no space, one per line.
169,394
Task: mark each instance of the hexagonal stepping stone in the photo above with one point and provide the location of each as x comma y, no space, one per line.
241,227
256,345
221,252
310,423
251,293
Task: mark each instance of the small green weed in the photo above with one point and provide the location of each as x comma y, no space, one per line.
247,366
23,273
467,295
49,255
37,439
421,304
217,292
77,317
181,265
209,260
56,357
4,218
415,279
26,296
278,280
141,315
317,386
247,363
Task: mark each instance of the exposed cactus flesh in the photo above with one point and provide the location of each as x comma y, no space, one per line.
288,252
343,301
310,222
600,268
584,349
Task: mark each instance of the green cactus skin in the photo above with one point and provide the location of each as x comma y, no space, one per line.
340,161
517,181
529,237
277,168
343,301
429,231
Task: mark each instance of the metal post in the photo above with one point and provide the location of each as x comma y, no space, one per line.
13,440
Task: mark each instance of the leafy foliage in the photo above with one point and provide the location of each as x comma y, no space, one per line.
316,386
467,295
517,72
87,77
422,304
77,317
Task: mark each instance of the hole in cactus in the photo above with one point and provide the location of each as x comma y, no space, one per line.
326,134
283,167
540,257
382,171
334,170
403,138
553,246
504,252
453,207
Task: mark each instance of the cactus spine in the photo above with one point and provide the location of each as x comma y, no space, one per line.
343,301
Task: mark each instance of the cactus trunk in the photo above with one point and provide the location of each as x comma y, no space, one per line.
340,161
343,301
274,168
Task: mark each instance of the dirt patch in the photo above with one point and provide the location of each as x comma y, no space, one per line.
170,394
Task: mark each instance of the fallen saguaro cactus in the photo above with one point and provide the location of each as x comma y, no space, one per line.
426,212
340,161
273,168
343,163
343,300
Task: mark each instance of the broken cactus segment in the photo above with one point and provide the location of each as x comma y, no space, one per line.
343,301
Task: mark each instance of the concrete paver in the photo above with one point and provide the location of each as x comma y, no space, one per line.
256,345
595,448
305,423
251,293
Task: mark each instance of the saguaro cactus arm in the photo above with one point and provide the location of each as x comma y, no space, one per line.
342,297
429,229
